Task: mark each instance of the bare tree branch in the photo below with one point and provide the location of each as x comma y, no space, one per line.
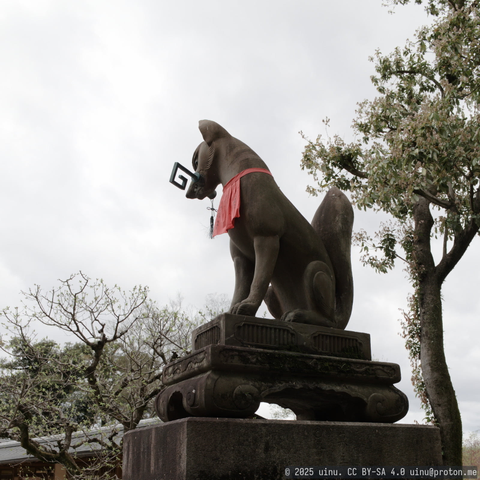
432,198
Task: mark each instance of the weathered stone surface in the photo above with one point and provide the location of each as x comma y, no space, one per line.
244,331
302,271
230,381
255,360
232,449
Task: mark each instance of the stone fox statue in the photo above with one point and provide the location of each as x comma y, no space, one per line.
301,270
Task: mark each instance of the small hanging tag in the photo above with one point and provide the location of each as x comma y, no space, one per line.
212,218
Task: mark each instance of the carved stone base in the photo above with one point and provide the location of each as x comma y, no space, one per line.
243,331
227,377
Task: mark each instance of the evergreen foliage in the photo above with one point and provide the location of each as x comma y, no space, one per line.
417,157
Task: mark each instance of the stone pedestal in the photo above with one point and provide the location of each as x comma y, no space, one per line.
326,376
241,449
319,373
265,333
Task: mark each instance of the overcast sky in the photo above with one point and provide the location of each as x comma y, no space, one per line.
100,97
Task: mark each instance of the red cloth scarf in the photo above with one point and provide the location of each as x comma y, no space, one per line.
229,207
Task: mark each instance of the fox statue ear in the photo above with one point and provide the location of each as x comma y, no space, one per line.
211,131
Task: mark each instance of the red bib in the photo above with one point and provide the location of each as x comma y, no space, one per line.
229,207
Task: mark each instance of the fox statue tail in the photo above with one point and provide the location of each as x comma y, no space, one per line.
333,222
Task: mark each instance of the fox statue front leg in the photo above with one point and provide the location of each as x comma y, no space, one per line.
244,271
266,252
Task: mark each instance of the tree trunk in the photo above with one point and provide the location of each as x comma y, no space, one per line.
438,383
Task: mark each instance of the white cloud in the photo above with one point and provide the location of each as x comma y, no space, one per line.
100,98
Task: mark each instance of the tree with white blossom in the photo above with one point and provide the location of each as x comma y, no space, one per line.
416,156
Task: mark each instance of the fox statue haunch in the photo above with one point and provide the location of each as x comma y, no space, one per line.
301,270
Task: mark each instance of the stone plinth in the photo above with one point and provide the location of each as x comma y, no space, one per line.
243,331
228,381
319,373
240,449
